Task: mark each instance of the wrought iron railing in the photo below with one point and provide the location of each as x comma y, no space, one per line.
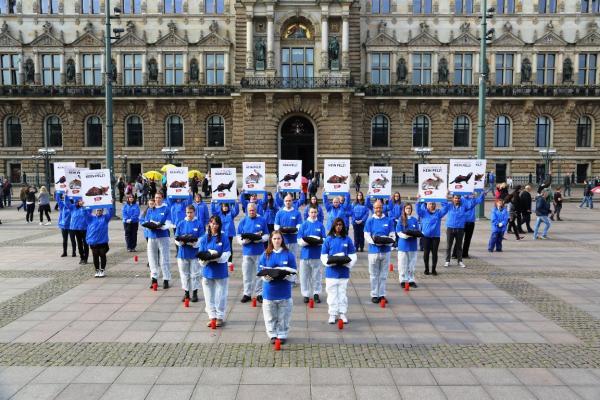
296,83
473,90
118,91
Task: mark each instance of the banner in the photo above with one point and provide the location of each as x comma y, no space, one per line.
224,184
336,176
60,179
433,182
479,171
178,183
253,174
95,188
73,180
380,182
290,175
460,177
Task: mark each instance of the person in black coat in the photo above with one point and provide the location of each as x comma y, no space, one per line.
525,203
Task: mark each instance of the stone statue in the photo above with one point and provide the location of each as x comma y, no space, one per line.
333,50
194,72
29,71
70,71
526,71
260,50
113,69
152,70
401,70
443,71
567,71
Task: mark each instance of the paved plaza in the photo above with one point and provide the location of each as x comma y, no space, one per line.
522,324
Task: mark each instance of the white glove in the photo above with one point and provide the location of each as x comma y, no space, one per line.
500,225
178,243
211,251
246,241
290,278
128,221
358,221
267,278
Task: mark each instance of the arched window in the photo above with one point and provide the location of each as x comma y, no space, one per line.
502,131
93,131
12,129
420,131
135,131
174,131
215,131
543,125
53,133
584,131
462,131
380,131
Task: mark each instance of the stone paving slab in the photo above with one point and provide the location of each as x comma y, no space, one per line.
11,287
581,293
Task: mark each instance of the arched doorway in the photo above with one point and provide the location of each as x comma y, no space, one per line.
297,141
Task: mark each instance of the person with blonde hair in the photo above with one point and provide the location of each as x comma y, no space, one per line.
44,205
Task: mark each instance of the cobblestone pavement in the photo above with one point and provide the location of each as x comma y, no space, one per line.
530,312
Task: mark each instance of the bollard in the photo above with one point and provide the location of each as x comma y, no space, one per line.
340,324
254,302
277,344
311,303
391,267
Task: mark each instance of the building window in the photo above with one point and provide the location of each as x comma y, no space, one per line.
462,131
588,66
502,131
93,132
48,6
90,6
51,69
214,6
421,69
215,131
584,131
547,6
132,69
135,131
506,7
215,69
297,62
590,6
9,69
422,7
420,131
8,7
12,127
543,125
92,69
174,131
380,131
504,68
463,69
53,132
463,7
381,7
173,6
546,64
132,6
380,68
174,69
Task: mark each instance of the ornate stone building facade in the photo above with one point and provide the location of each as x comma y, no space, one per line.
225,81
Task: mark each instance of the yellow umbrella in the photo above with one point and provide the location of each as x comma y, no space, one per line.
166,167
195,174
153,175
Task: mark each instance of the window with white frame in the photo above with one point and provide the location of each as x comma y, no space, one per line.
543,126
90,6
12,129
547,6
422,7
93,131
462,131
380,131
584,131
215,68
463,69
174,69
9,69
506,7
590,6
48,6
588,68
51,69
132,69
380,68
502,131
214,6
134,128
215,131
463,7
546,66
53,132
505,64
174,131
421,68
420,131
173,6
132,7
92,69
380,7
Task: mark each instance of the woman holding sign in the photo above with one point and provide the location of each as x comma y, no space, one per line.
431,223
97,237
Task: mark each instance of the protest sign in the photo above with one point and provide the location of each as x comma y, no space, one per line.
336,176
380,182
253,174
96,188
290,175
177,183
433,182
224,184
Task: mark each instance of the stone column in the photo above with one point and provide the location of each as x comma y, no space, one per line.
144,69
345,43
185,62
249,42
63,77
78,68
270,34
201,74
226,68
324,42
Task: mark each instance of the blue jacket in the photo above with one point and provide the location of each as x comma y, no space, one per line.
431,222
201,212
97,227
343,211
457,215
131,212
378,227
471,217
409,243
542,209
194,228
253,225
499,216
78,217
360,212
64,214
296,203
277,290
310,228
259,202
215,269
338,246
159,215
320,215
177,208
270,213
287,219
227,219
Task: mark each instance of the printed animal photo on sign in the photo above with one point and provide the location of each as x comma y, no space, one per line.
97,191
432,183
224,186
254,177
462,178
290,177
337,179
380,183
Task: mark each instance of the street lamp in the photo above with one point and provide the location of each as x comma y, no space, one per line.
547,155
169,153
422,152
46,153
37,169
124,172
207,158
